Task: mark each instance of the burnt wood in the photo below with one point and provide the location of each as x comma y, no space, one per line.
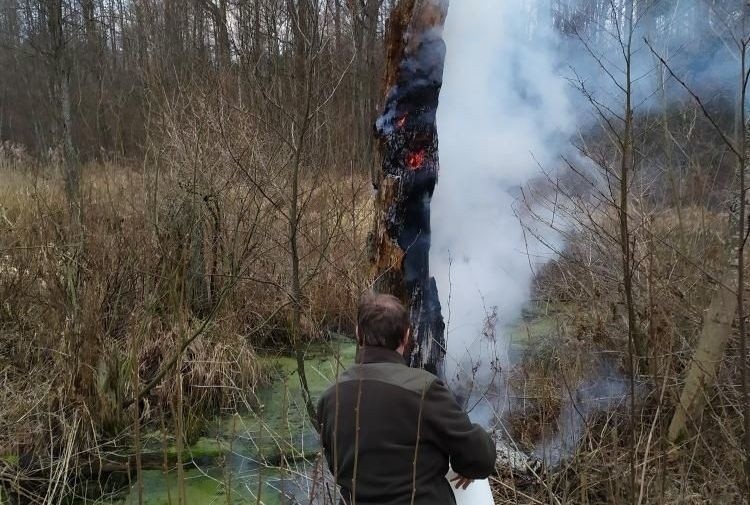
408,172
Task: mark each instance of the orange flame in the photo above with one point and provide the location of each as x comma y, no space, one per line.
414,160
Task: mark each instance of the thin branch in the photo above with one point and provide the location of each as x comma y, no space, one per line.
698,100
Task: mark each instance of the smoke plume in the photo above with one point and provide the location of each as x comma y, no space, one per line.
503,108
509,105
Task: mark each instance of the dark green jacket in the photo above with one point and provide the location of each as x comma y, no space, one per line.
388,432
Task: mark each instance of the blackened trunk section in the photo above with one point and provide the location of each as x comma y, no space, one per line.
407,132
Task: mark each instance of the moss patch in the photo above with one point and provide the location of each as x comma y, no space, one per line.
204,487
276,430
10,459
244,449
278,426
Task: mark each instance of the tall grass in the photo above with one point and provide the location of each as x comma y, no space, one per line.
578,292
68,386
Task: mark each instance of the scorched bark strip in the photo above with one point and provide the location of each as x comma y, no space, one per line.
406,179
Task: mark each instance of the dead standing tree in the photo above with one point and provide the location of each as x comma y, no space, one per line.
406,178
58,54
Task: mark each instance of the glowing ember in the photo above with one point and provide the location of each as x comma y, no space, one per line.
414,160
400,122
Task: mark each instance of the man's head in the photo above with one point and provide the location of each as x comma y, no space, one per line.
382,321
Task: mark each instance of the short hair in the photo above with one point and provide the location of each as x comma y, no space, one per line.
382,321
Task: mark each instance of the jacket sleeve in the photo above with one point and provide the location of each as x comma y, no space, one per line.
324,430
319,415
469,446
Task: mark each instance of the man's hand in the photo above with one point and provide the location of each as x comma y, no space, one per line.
461,482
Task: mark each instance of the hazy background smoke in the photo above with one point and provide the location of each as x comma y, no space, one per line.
509,105
606,391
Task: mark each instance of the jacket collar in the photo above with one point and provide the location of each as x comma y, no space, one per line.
373,354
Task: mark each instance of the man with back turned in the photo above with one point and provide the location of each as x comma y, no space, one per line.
389,431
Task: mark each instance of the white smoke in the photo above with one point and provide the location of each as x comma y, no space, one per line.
507,107
604,393
503,110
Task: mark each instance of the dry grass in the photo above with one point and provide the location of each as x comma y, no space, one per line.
675,258
72,312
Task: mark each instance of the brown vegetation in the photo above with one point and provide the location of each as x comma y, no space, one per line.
136,304
184,185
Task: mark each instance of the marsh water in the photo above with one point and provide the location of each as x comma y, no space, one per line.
264,455
265,451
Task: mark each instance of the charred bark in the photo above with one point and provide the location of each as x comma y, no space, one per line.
408,172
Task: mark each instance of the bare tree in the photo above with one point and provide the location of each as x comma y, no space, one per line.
728,300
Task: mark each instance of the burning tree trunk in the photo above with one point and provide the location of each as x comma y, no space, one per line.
408,172
405,180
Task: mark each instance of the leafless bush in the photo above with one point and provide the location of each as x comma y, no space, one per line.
205,248
676,260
